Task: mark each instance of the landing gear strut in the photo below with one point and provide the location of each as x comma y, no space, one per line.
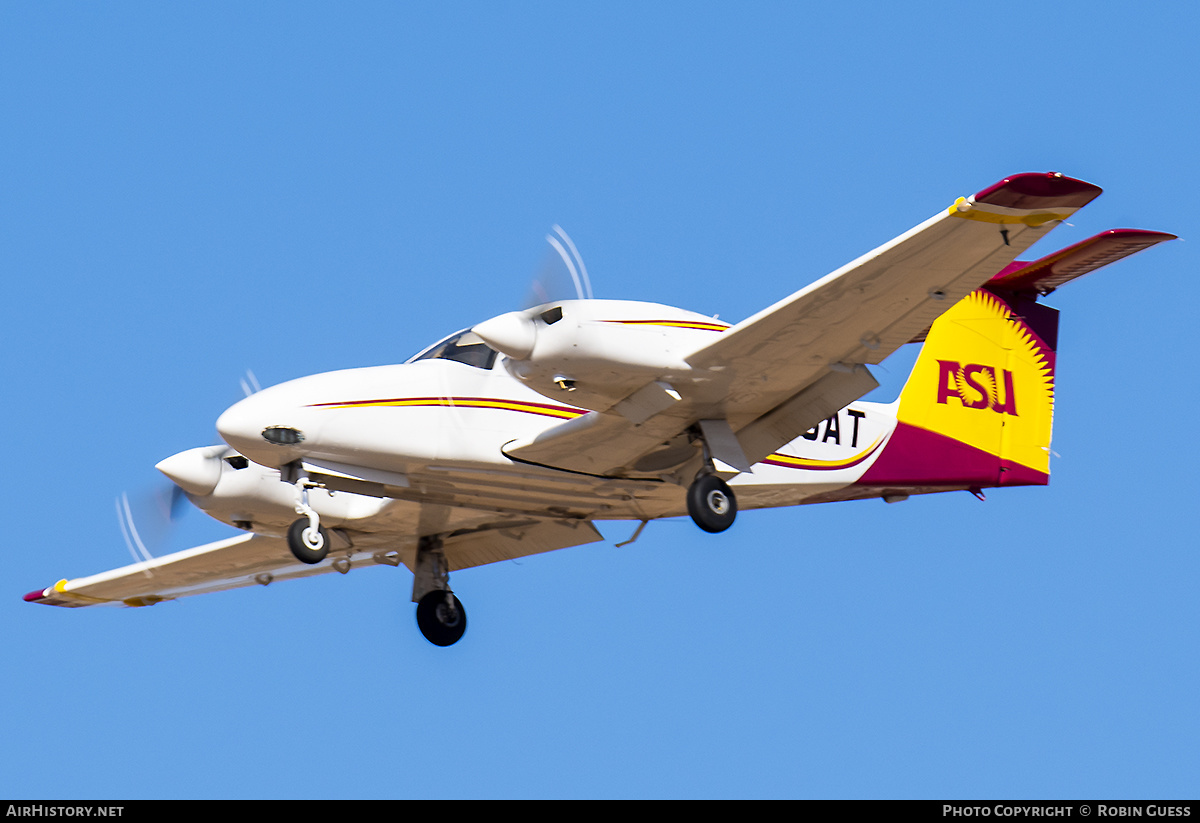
307,538
440,615
711,503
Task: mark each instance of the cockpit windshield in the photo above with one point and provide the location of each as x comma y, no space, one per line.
463,347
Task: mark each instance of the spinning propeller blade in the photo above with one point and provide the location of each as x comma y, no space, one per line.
250,384
146,518
563,276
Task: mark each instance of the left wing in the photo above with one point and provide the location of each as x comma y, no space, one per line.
251,559
226,564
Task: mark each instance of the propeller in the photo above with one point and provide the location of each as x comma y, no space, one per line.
562,276
147,518
250,384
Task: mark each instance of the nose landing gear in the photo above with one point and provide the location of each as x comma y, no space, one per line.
307,538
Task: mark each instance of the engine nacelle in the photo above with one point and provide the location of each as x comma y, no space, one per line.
225,485
595,353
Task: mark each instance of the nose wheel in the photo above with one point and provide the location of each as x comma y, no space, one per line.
307,544
711,503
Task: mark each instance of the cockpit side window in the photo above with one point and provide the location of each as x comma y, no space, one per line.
464,347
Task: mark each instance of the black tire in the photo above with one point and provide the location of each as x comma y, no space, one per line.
441,618
711,503
300,549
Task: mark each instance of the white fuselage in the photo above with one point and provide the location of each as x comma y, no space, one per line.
431,435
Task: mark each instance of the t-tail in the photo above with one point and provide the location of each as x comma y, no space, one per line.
978,409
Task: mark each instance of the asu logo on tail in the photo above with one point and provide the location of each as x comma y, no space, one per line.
964,382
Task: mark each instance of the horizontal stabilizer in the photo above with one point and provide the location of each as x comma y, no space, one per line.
1050,272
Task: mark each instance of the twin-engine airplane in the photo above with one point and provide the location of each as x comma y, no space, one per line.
509,439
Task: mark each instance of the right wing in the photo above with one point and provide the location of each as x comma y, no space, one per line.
771,377
870,307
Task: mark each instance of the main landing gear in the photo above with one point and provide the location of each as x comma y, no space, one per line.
441,618
711,503
440,615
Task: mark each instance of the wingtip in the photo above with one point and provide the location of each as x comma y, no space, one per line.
55,595
1039,190
1146,234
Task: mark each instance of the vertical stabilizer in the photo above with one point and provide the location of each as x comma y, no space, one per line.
978,408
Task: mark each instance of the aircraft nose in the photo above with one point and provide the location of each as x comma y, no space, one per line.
256,428
196,471
241,425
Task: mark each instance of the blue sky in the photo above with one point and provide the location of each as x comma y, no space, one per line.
191,190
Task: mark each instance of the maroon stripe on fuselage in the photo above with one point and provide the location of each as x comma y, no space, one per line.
449,401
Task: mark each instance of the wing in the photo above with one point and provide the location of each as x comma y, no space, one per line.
226,564
251,559
773,376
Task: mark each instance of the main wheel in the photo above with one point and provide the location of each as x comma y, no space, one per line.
308,547
711,503
441,618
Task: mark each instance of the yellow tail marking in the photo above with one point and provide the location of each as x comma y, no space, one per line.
984,380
